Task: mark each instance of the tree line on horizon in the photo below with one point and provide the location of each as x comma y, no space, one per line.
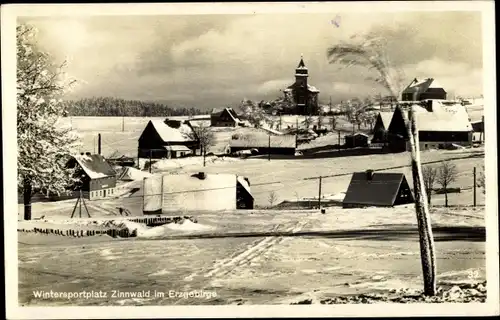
118,107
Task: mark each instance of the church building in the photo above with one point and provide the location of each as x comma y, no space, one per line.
304,95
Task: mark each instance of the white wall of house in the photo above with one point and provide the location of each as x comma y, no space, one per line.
102,194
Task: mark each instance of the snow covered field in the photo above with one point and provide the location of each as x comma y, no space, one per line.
344,252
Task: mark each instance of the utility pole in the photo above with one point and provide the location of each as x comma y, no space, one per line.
150,165
269,149
98,144
474,172
319,195
123,124
338,131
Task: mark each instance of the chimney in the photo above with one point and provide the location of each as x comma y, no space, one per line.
369,174
99,143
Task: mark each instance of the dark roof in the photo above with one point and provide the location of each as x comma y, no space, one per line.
95,166
381,190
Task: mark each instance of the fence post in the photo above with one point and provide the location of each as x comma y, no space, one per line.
474,172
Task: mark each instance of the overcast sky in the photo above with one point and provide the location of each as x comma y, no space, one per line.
208,61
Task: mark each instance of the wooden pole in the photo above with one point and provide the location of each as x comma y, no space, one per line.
269,149
474,172
123,124
98,143
80,207
426,239
150,155
319,194
74,208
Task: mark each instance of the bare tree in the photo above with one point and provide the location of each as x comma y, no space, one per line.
272,198
446,174
371,52
205,136
308,120
320,121
296,194
429,174
333,122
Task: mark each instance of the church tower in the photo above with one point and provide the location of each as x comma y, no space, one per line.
305,96
301,75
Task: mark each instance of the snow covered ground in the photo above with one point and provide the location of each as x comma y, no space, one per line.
344,252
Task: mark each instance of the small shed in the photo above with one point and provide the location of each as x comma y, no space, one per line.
98,178
356,140
378,190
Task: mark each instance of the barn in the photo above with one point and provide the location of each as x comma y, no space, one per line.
356,140
98,179
381,127
224,118
196,192
425,89
265,144
439,126
369,189
168,139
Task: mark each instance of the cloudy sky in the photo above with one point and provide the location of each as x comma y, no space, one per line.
208,61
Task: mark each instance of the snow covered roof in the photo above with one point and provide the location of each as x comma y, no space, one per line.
95,166
259,140
312,88
177,148
420,86
386,118
171,134
229,111
244,183
443,118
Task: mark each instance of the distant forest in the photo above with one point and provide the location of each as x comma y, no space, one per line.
107,106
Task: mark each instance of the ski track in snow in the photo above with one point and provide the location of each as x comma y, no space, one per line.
225,266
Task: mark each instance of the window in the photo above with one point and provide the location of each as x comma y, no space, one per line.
425,146
100,193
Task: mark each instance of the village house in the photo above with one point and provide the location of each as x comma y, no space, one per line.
265,143
305,96
196,192
168,139
425,89
98,178
381,127
478,131
381,189
356,140
439,126
224,118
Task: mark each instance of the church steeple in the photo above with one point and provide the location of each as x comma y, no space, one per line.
301,70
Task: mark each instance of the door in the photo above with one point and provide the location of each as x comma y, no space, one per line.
104,193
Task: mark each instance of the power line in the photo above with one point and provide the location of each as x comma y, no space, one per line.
277,181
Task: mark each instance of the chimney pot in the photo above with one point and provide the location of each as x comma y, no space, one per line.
369,174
